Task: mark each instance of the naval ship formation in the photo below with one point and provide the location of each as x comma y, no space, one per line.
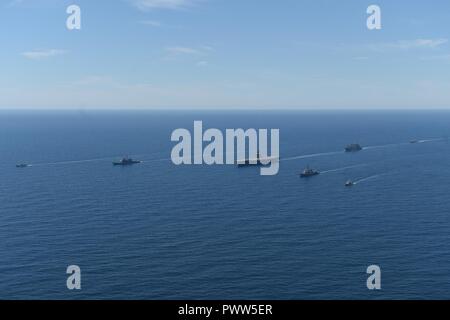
258,161
309,172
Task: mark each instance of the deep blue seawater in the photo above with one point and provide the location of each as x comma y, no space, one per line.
158,231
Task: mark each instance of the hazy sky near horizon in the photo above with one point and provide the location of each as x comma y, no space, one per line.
224,54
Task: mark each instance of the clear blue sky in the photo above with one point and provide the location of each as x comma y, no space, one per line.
224,54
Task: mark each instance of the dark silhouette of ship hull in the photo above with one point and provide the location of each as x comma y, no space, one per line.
308,172
250,162
353,148
126,162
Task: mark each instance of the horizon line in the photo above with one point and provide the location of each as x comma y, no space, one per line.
171,109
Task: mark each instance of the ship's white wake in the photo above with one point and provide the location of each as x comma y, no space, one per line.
346,168
315,155
390,145
432,140
367,179
155,160
111,158
71,162
299,157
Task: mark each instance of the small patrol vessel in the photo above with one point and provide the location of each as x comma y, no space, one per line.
354,147
349,183
126,162
308,172
22,165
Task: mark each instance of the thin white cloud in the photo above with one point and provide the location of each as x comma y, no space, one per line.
183,50
200,52
95,80
410,44
163,4
422,43
151,23
202,64
442,57
207,48
42,54
14,3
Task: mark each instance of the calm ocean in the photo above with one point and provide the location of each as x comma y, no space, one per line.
157,231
